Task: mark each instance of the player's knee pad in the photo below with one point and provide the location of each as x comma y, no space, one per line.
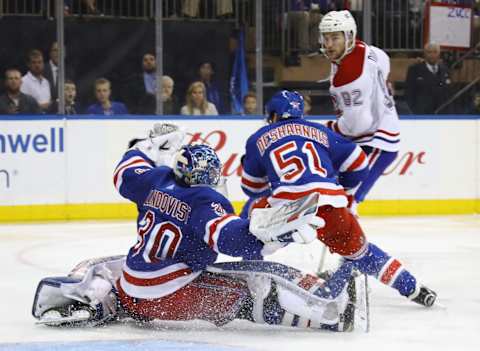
342,233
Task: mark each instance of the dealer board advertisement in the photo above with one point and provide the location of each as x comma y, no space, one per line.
72,161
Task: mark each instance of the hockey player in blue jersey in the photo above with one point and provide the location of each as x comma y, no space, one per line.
290,158
170,272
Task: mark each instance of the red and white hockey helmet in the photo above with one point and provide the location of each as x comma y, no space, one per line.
339,21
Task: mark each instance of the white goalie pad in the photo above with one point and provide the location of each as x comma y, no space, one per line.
295,221
318,312
308,305
90,283
292,297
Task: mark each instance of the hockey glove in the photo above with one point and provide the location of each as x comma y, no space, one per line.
161,144
294,221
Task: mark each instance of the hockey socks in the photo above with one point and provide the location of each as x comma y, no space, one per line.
388,270
335,284
379,160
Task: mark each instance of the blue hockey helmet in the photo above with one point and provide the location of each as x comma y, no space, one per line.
197,165
285,104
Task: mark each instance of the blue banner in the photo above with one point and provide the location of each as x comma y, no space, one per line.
239,79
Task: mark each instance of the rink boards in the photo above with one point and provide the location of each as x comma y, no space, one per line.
53,168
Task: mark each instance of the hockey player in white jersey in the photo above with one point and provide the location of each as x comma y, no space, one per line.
365,109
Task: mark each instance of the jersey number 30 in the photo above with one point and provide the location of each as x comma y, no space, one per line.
291,168
162,240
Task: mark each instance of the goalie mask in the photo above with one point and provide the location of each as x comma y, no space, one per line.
197,165
285,104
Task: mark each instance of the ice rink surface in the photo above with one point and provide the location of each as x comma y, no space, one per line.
443,252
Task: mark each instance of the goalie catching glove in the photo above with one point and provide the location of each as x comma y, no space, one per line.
161,144
295,221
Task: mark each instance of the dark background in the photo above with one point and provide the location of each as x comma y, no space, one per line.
114,48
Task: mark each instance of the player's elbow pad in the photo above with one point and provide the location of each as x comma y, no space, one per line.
352,179
249,193
247,248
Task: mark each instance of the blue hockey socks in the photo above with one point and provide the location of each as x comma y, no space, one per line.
380,161
388,270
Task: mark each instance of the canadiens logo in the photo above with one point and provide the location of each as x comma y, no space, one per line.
218,209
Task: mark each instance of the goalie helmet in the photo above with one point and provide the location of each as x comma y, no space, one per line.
197,165
285,104
339,21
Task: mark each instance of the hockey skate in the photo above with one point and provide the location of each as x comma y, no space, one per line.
424,296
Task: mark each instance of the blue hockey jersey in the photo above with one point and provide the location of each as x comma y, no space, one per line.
180,229
291,158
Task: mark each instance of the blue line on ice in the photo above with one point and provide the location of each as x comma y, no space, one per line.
124,345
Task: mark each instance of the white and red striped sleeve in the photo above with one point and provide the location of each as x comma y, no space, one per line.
131,163
356,161
254,186
213,230
134,175
229,234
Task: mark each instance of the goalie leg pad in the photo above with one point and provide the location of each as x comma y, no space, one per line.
284,295
211,297
49,295
342,233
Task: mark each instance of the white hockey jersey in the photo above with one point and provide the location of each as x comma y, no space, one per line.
365,109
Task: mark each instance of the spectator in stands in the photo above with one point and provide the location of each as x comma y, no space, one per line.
71,106
34,83
196,101
14,101
475,107
105,106
191,8
90,6
250,103
304,16
50,71
170,104
141,88
206,76
67,7
307,104
427,82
